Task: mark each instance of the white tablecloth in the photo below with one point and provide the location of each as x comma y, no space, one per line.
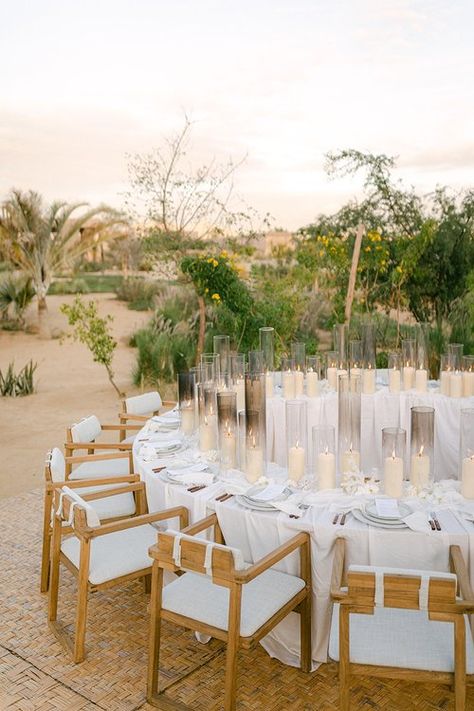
383,409
257,533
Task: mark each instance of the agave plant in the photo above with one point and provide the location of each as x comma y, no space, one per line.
42,239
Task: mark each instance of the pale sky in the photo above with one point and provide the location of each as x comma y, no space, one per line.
83,83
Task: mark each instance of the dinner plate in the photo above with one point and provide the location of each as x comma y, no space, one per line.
359,515
371,512
249,504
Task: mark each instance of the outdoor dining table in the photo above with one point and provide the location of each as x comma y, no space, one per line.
256,533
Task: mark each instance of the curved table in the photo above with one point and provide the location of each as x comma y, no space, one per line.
256,533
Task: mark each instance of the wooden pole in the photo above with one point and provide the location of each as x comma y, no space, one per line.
353,274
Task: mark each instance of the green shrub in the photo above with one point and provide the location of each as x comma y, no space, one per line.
163,351
141,294
16,293
19,384
86,284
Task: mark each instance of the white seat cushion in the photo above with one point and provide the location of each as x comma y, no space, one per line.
104,467
400,638
110,506
86,430
197,597
114,554
144,404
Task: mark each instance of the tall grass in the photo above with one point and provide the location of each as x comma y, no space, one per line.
18,384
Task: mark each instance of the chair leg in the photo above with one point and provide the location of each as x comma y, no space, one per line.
459,664
305,634
54,571
155,632
344,659
147,584
82,600
233,636
46,550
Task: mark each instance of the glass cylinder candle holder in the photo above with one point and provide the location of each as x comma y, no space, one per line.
288,378
394,372
227,428
237,370
340,340
355,359
256,362
242,435
267,346
207,418
211,364
296,447
221,346
331,369
455,352
467,453
349,423
368,356
393,456
468,376
313,368
255,400
254,444
298,353
409,363
422,357
444,374
324,456
186,401
421,445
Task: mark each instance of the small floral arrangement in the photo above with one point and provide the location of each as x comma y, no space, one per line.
355,483
435,492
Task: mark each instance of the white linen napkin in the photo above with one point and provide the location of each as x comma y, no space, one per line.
147,453
418,521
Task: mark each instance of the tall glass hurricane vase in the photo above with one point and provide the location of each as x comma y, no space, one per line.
422,445
349,423
227,427
186,400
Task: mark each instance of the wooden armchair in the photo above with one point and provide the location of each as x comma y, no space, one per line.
99,555
141,407
219,595
98,471
390,622
83,435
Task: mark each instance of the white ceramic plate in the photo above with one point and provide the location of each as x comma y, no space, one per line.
248,504
378,524
371,512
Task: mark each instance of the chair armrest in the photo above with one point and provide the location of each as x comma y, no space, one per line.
269,560
121,446
76,459
458,566
338,570
126,416
169,403
201,525
177,511
118,428
99,481
114,491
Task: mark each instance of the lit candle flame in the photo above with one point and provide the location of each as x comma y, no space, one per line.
393,453
326,451
297,443
420,453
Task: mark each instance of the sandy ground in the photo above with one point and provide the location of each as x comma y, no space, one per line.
69,386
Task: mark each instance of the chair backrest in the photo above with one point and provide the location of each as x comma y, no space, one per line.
68,501
370,587
55,465
145,404
178,551
86,430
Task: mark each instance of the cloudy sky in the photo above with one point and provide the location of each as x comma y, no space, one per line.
83,84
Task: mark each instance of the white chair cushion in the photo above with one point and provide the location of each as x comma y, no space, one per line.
91,514
393,637
110,506
86,430
143,404
105,467
57,464
197,597
114,554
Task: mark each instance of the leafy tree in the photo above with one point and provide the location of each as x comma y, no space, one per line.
42,239
93,331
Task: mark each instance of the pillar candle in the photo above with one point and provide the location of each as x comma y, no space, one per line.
421,380
208,433
368,381
350,461
408,377
240,391
295,462
455,384
311,383
187,420
393,476
420,469
355,370
468,383
269,384
228,449
467,477
444,382
254,463
394,380
299,383
288,382
332,377
326,470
